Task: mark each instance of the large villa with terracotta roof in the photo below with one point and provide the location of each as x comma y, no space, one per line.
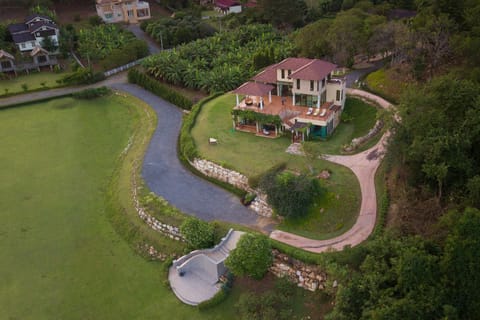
308,100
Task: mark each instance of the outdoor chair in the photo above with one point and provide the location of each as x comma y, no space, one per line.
324,111
310,111
317,111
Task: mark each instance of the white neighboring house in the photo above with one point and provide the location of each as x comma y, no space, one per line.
228,6
33,31
131,11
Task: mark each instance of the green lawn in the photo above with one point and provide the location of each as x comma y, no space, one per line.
253,155
387,82
33,81
61,258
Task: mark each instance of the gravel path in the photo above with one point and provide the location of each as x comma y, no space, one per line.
364,165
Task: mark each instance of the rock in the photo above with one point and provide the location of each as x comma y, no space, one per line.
325,175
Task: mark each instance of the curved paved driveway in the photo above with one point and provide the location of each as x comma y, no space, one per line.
166,176
364,165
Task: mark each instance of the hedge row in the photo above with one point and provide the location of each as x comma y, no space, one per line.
152,85
92,93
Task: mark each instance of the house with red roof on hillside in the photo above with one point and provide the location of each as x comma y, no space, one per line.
228,6
300,95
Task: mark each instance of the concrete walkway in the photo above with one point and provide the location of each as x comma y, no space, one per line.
364,165
153,47
194,277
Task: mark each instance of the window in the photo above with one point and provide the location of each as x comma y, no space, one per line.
32,43
289,73
312,85
108,15
22,45
338,95
6,64
283,74
318,85
342,94
323,82
298,84
130,13
38,34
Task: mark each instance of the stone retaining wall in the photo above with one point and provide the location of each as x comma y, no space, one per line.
306,276
167,230
236,179
356,142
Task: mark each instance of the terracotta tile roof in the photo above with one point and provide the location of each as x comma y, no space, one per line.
315,70
268,75
293,63
226,3
254,89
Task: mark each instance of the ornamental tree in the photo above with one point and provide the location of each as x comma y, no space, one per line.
252,256
198,234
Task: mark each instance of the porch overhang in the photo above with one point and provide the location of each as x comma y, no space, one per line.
254,89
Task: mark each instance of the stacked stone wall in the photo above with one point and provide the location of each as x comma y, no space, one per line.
236,179
303,275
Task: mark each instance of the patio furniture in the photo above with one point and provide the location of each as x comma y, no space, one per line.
248,101
265,132
310,111
317,111
212,141
324,111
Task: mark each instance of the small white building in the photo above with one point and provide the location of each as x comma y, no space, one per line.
33,31
228,6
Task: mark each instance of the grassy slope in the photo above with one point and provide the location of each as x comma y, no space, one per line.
388,83
61,258
33,81
252,155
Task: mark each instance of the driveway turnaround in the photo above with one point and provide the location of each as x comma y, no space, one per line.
364,165
166,176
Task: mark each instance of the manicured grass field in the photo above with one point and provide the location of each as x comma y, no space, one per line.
60,256
33,81
253,155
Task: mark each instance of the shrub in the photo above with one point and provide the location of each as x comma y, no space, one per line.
152,85
82,76
290,195
276,303
251,257
198,234
24,87
132,51
254,181
92,93
95,20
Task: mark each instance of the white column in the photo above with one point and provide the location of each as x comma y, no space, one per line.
238,102
256,123
293,98
318,101
270,96
261,103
